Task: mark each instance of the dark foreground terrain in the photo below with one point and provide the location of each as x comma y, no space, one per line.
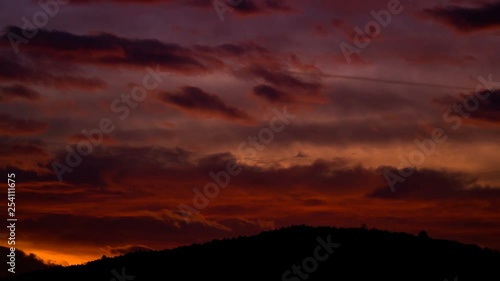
296,253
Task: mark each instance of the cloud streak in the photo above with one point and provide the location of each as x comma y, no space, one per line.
196,101
467,19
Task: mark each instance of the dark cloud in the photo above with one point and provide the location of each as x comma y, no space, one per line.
489,109
18,91
271,94
26,157
242,7
120,161
484,109
104,49
115,168
277,4
26,175
13,126
108,49
21,149
467,19
14,70
428,184
248,7
276,83
196,101
109,167
325,176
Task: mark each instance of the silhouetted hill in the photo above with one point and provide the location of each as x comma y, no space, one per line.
28,262
362,255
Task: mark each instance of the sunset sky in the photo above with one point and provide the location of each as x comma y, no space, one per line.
216,80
